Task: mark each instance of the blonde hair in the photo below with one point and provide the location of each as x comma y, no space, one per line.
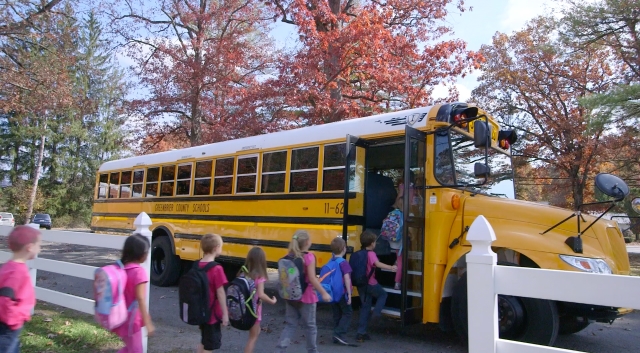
209,242
300,240
399,204
256,263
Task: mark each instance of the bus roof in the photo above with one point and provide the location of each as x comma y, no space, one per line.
371,125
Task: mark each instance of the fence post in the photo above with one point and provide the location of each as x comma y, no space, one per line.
142,223
482,300
33,273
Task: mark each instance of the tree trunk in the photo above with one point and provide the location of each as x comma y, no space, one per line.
34,189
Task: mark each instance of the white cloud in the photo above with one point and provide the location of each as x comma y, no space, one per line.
441,91
518,12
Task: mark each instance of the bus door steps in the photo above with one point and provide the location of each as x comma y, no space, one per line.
411,273
391,312
397,291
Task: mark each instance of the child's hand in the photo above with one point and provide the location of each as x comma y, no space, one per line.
274,300
394,268
150,329
349,300
225,320
326,297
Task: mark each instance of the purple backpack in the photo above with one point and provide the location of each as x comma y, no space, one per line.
108,288
392,226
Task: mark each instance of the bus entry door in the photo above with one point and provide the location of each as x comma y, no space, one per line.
414,222
354,183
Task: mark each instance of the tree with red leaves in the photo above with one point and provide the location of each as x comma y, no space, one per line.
535,83
359,58
200,61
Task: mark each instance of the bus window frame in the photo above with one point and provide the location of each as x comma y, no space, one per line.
316,169
190,179
126,185
133,183
263,173
256,187
231,176
210,178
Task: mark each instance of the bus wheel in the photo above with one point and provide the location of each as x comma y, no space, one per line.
521,319
165,267
570,324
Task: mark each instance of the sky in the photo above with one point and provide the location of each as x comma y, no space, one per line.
475,27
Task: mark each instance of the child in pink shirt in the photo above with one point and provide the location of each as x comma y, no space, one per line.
135,252
303,312
256,267
17,295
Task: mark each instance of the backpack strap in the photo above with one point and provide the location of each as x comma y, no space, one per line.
206,269
8,293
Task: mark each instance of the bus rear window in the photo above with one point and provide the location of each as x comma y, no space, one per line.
103,185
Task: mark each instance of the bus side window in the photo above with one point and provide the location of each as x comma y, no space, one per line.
153,175
202,179
125,185
223,180
274,172
138,180
247,174
114,185
168,177
183,183
103,185
333,167
304,169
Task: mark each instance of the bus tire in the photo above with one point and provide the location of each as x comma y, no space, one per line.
522,319
165,266
570,324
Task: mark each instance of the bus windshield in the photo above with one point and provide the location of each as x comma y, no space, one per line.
455,156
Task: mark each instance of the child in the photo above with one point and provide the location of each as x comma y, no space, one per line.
373,289
135,252
17,295
397,245
304,311
256,265
342,310
211,246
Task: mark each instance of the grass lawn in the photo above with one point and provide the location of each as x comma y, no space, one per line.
60,330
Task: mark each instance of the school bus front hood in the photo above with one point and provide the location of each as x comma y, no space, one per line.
519,225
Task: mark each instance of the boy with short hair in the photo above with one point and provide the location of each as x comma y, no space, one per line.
373,289
17,295
211,246
342,310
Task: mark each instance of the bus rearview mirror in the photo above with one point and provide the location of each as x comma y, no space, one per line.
481,170
481,134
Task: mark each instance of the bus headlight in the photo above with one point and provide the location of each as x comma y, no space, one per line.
587,264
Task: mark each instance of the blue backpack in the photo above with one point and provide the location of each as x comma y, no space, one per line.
358,263
331,279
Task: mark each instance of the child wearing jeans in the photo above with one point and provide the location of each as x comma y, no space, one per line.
303,312
342,310
211,334
17,295
256,267
373,289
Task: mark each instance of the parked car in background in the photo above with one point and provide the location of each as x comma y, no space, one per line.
43,219
6,219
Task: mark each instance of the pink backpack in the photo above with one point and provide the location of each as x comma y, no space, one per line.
108,288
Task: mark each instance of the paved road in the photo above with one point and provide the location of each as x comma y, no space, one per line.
175,337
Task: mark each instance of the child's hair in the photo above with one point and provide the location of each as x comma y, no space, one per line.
135,248
22,236
367,238
256,263
338,245
299,241
210,242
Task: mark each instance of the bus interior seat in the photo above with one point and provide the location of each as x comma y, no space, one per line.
380,194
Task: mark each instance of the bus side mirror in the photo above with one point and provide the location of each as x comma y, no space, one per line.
481,134
635,204
481,170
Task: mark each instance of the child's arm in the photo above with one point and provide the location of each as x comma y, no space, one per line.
263,296
379,264
222,299
141,294
347,284
313,280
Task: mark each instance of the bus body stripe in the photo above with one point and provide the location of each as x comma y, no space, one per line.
261,197
351,219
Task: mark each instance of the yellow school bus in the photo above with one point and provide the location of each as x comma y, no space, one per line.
338,179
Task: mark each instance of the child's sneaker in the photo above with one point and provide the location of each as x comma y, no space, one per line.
363,337
337,339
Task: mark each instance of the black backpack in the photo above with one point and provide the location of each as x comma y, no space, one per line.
358,263
193,293
241,304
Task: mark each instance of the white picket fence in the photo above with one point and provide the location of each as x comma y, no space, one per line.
486,280
142,224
